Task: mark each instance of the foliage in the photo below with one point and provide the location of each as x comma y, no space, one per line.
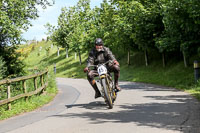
180,28
170,26
2,68
75,27
175,75
15,18
25,51
14,66
32,64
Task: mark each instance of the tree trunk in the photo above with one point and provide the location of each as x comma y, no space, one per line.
185,59
75,56
146,58
79,53
58,51
128,61
163,59
124,48
67,56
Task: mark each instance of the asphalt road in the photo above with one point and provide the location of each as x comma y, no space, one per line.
139,108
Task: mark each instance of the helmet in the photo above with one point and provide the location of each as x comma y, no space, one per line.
98,41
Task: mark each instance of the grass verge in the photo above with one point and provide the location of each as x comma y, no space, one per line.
34,63
173,75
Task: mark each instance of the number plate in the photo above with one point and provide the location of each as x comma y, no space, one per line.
102,70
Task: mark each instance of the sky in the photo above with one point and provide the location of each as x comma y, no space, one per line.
50,15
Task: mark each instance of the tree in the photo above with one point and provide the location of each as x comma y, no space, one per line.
147,25
73,27
123,26
15,18
162,25
181,23
139,22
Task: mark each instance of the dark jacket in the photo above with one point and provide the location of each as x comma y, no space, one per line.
102,56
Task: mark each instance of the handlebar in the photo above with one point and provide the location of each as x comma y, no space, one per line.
100,64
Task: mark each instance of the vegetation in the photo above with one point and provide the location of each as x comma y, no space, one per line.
165,31
15,18
169,27
155,41
174,75
2,68
34,63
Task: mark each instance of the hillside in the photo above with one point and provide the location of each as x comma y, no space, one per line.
173,75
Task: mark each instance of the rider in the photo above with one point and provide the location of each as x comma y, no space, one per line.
101,54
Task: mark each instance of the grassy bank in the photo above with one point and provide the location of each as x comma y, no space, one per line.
173,75
33,59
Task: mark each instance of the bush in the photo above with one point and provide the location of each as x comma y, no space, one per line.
2,68
13,65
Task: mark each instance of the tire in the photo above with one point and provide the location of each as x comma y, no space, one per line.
107,95
111,86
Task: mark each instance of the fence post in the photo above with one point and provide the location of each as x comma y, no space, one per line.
196,70
25,90
42,82
35,83
54,68
9,96
46,79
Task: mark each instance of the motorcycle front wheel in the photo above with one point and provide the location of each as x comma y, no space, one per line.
107,92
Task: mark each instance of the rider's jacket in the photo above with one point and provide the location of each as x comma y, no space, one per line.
96,57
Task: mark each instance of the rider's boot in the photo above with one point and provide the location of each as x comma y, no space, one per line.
116,77
97,92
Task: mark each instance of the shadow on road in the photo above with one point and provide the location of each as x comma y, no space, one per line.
146,87
98,105
179,115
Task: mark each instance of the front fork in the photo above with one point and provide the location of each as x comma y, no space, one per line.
100,81
111,88
107,81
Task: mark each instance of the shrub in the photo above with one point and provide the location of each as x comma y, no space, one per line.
2,68
13,65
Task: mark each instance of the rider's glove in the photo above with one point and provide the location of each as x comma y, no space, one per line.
116,62
86,69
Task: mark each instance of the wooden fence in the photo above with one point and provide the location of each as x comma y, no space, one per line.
25,93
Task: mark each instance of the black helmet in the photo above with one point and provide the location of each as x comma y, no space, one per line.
98,41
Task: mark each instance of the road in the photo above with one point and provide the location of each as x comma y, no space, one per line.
139,108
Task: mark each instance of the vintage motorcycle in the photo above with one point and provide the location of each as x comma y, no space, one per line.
108,91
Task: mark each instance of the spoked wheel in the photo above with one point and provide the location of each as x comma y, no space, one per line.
111,88
107,92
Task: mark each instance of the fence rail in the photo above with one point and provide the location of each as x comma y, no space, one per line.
25,94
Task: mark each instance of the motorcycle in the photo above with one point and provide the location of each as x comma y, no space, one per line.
108,91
